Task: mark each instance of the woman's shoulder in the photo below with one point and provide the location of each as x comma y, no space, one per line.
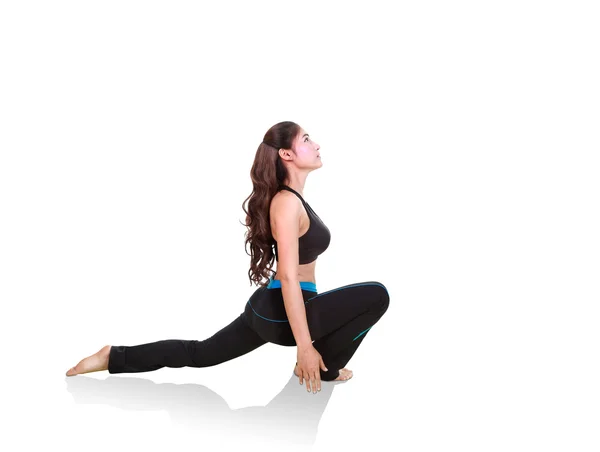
283,197
285,200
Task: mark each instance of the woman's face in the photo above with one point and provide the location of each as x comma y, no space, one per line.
307,151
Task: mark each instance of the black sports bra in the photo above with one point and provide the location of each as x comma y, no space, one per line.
314,241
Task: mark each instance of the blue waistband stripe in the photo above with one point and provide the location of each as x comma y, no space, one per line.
306,285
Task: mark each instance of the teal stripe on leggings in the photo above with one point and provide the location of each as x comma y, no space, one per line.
361,334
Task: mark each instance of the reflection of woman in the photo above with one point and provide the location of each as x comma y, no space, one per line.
286,309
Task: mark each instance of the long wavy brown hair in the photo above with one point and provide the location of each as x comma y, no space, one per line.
267,174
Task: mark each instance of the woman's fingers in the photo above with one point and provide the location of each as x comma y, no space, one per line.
306,379
316,385
312,380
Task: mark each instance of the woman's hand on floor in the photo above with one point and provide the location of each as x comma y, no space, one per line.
309,364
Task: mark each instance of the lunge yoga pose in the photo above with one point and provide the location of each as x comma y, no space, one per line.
286,309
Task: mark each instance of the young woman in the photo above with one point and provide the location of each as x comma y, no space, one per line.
286,309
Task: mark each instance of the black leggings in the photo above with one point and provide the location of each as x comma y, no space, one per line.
338,320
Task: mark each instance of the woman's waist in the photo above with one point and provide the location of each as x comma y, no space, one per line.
310,286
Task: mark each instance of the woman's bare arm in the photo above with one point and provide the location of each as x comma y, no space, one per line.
286,210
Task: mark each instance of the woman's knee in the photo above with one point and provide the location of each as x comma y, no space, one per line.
383,297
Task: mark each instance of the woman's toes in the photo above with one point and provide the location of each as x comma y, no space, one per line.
345,374
94,363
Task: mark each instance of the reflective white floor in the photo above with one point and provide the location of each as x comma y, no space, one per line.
482,388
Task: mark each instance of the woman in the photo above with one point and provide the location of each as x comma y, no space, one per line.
286,309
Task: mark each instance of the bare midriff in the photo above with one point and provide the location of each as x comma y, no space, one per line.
306,272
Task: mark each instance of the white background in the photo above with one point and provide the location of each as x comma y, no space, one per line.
459,143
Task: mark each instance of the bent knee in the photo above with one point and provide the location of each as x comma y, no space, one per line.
383,297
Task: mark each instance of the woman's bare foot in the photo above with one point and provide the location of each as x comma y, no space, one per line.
345,374
97,361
